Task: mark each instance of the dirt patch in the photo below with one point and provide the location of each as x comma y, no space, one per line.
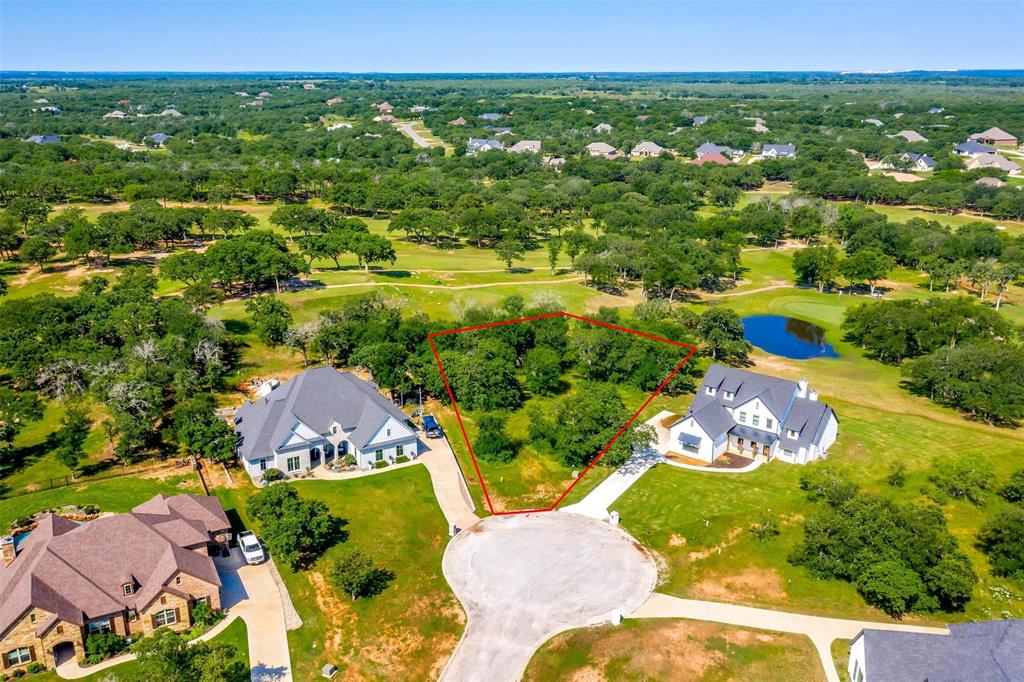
750,582
673,651
730,538
336,611
677,541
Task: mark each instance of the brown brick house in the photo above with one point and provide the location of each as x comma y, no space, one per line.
127,573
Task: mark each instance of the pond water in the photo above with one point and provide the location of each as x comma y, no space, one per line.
787,336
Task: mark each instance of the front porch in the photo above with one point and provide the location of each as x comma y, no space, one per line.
726,460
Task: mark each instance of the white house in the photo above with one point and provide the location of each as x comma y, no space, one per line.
778,151
646,149
525,146
320,415
755,416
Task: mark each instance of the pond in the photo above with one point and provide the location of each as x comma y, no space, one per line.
787,336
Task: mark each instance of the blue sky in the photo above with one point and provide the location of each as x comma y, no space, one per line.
503,35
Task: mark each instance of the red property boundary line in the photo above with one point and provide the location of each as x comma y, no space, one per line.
462,427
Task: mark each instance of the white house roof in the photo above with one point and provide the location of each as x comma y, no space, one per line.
600,148
910,136
647,147
993,161
994,134
317,398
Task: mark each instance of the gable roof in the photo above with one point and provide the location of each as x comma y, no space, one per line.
973,147
479,144
317,398
525,146
994,134
993,161
490,116
711,157
76,572
780,149
648,148
711,148
698,120
600,148
982,652
603,128
43,139
914,157
910,136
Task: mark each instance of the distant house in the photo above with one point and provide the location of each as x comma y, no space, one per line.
116,113
480,144
52,110
873,121
754,415
529,146
320,415
334,100
43,139
759,127
910,136
159,138
384,107
778,151
42,100
602,128
385,118
989,651
993,161
711,157
457,122
699,120
419,108
712,148
646,149
602,149
554,161
936,110
338,126
173,113
917,162
972,148
263,94
490,116
129,574
989,182
309,86
996,136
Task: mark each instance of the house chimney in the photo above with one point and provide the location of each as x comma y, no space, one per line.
7,550
812,395
801,391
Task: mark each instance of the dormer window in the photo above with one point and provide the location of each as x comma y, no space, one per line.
728,395
128,589
710,390
334,429
790,433
177,580
32,617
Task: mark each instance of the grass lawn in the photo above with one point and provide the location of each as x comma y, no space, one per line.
641,650
111,495
235,634
408,631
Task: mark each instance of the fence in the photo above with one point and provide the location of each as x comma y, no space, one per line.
66,481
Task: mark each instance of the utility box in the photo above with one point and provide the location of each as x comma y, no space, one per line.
329,671
453,530
616,617
613,518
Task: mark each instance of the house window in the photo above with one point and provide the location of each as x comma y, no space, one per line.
334,429
19,656
293,463
727,395
378,455
128,589
165,617
177,580
755,420
769,423
99,626
163,600
60,629
132,615
32,617
263,465
389,433
743,417
399,450
792,434
709,390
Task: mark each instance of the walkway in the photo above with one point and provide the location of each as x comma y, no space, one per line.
417,139
598,500
822,631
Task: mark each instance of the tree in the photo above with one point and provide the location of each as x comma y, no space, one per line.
817,265
866,265
542,367
1013,491
576,242
963,477
37,250
271,318
357,575
200,431
372,248
3,287
188,267
297,531
891,586
17,409
721,330
1002,539
168,656
554,248
510,249
70,438
493,444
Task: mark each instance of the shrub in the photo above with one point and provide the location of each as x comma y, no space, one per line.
401,459
965,477
35,667
897,474
1013,491
1002,539
271,475
18,672
358,576
21,522
90,509
493,444
203,614
891,586
381,464
825,482
102,645
348,461
765,528
296,530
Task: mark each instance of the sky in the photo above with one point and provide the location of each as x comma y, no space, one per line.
509,36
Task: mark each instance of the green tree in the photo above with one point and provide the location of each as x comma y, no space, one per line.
69,439
168,656
356,574
1013,490
866,265
721,331
542,367
510,249
1002,539
817,265
372,248
891,586
37,250
297,531
17,409
271,318
493,444
200,431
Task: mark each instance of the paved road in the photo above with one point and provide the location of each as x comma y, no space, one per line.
417,139
524,578
822,631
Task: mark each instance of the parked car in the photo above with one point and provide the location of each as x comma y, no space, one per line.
431,427
251,548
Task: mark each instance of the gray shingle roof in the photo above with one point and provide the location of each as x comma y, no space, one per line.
980,652
317,398
780,149
973,147
480,144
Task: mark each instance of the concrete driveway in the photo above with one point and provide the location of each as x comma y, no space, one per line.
524,578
